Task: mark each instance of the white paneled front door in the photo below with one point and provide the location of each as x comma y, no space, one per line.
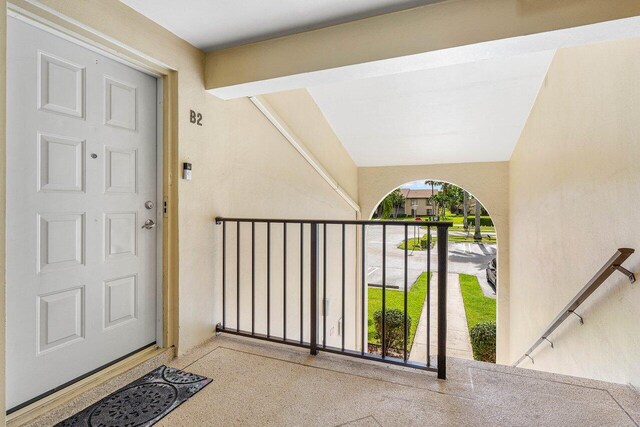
81,165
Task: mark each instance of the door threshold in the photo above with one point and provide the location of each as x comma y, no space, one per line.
57,398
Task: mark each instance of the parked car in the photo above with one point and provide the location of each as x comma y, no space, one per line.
492,276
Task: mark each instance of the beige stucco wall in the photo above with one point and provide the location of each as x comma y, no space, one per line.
300,112
242,166
574,199
290,189
255,174
489,182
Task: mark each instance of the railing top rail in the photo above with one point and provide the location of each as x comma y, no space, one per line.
338,222
613,264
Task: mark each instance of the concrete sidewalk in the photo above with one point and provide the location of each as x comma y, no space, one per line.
458,342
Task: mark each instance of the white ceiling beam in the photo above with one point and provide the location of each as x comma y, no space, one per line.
447,33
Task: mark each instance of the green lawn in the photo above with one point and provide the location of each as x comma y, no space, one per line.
477,307
414,243
459,219
395,299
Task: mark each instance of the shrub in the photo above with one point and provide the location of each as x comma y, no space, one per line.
484,222
483,341
394,322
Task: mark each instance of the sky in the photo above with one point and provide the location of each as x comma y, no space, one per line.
418,185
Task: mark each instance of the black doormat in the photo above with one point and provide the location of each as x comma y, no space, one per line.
142,403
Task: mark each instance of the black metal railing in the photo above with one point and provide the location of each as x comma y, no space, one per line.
613,264
333,262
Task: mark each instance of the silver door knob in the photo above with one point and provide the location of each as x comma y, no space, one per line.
149,224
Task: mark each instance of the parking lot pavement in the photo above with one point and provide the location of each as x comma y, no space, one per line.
467,258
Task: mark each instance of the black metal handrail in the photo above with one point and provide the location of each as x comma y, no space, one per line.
613,264
315,228
447,224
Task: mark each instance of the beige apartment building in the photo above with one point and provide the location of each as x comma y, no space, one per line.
418,202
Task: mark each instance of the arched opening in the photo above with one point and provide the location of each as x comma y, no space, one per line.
472,267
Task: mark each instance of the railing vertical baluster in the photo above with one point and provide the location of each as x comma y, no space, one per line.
406,286
344,254
284,281
428,295
324,286
238,277
224,274
442,301
384,289
313,285
365,338
253,278
268,280
319,296
301,282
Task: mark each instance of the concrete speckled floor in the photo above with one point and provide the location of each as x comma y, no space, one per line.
264,384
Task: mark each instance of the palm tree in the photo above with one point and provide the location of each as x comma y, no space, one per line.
433,201
465,209
397,199
443,199
477,236
392,203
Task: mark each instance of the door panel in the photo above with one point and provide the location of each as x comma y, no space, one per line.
81,163
60,86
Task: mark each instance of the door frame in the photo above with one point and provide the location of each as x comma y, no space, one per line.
167,215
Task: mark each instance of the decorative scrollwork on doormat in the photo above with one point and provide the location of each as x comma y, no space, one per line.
142,403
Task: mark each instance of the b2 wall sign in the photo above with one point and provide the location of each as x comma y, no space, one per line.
195,118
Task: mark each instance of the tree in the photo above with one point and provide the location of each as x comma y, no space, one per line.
465,210
397,200
453,197
441,199
392,203
450,196
433,200
477,236
387,208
